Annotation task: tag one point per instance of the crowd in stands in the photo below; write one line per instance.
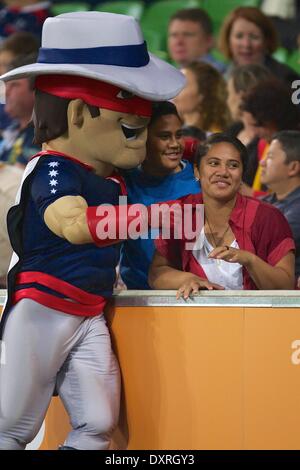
(236, 102)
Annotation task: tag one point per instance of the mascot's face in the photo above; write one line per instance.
(116, 138)
(107, 126)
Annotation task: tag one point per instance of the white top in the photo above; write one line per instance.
(227, 275)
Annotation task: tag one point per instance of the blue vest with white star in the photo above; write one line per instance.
(87, 266)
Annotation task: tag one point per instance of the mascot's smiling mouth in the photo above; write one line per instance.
(131, 132)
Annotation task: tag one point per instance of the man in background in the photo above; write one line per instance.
(16, 146)
(190, 38)
(281, 174)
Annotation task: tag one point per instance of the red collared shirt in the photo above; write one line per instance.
(258, 227)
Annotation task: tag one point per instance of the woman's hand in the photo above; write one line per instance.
(193, 284)
(232, 255)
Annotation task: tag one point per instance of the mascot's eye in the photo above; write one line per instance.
(125, 95)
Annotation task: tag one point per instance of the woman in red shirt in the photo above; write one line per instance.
(244, 243)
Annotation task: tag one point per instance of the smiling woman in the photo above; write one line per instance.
(244, 244)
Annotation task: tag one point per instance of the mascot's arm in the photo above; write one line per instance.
(70, 217)
(66, 217)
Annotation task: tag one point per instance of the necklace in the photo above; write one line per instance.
(213, 237)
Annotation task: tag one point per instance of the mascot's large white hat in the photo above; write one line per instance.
(106, 47)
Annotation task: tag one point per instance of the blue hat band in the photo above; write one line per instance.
(124, 56)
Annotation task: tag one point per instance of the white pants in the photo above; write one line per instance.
(45, 348)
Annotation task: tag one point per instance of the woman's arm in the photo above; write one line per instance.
(280, 276)
(163, 276)
(265, 276)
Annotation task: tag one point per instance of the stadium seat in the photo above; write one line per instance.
(154, 39)
(131, 8)
(293, 60)
(162, 55)
(281, 54)
(68, 7)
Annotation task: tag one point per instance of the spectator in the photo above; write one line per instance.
(163, 176)
(244, 244)
(23, 15)
(16, 145)
(281, 174)
(241, 80)
(249, 37)
(190, 38)
(202, 102)
(15, 46)
(10, 178)
(269, 109)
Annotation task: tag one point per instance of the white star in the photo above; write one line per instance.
(53, 182)
(53, 173)
(53, 164)
(53, 191)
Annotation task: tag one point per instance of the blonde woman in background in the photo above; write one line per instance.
(202, 103)
(248, 36)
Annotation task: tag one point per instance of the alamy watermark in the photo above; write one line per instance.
(170, 219)
(296, 93)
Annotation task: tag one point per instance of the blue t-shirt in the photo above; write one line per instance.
(85, 266)
(136, 255)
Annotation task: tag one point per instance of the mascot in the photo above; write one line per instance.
(94, 82)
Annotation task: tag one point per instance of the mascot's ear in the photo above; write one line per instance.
(76, 112)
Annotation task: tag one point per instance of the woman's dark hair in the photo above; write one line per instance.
(247, 76)
(219, 138)
(163, 108)
(212, 87)
(270, 102)
(195, 132)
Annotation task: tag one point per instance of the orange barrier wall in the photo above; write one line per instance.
(210, 378)
(197, 377)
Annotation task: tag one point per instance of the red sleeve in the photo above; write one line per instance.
(170, 249)
(272, 235)
(174, 248)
